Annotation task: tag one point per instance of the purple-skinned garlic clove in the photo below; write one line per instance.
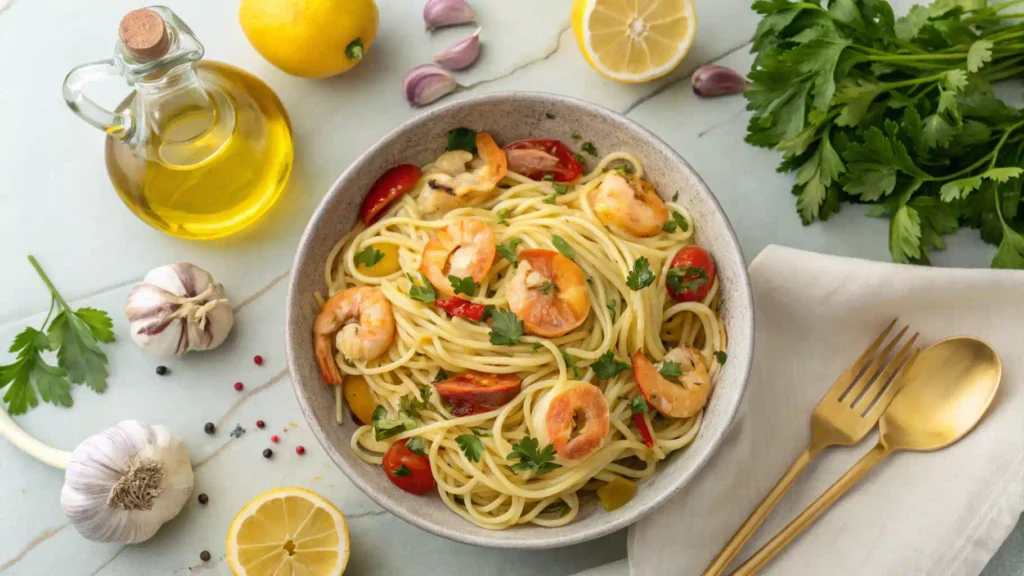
(427, 83)
(715, 80)
(460, 55)
(440, 13)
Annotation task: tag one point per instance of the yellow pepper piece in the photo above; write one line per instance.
(616, 493)
(359, 398)
(386, 265)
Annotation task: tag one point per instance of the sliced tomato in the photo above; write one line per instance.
(693, 257)
(407, 469)
(461, 308)
(478, 392)
(645, 431)
(386, 189)
(539, 158)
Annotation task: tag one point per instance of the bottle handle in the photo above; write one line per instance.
(119, 125)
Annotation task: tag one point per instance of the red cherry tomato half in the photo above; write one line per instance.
(693, 257)
(386, 189)
(538, 158)
(461, 308)
(407, 469)
(478, 392)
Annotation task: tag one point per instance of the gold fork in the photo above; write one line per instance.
(849, 410)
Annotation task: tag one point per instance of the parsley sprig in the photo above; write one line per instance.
(640, 276)
(369, 257)
(506, 329)
(471, 446)
(465, 285)
(75, 335)
(531, 458)
(607, 366)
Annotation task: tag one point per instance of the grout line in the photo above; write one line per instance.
(31, 545)
(256, 295)
(109, 560)
(554, 50)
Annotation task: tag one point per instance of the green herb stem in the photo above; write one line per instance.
(1007, 74)
(995, 7)
(46, 280)
(995, 152)
(885, 57)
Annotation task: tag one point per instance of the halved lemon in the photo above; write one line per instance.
(634, 40)
(288, 531)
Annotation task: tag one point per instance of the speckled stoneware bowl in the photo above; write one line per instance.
(508, 117)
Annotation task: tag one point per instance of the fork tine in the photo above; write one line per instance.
(847, 378)
(857, 391)
(894, 372)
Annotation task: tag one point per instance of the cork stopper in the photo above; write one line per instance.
(144, 35)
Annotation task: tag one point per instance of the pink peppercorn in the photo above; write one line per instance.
(260, 423)
(300, 450)
(258, 360)
(239, 386)
(274, 438)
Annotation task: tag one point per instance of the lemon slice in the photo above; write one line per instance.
(634, 40)
(288, 531)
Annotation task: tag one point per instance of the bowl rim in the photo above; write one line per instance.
(556, 540)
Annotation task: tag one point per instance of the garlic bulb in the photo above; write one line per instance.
(121, 485)
(177, 309)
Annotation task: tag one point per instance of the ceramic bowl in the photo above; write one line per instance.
(508, 117)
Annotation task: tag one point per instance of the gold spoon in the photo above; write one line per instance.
(945, 393)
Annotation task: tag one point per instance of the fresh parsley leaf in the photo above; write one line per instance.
(440, 376)
(465, 285)
(537, 346)
(402, 470)
(462, 139)
(506, 330)
(471, 446)
(638, 405)
(369, 257)
(384, 426)
(721, 356)
(531, 459)
(670, 369)
(416, 446)
(508, 251)
(686, 279)
(30, 372)
(611, 309)
(640, 276)
(547, 287)
(607, 366)
(676, 221)
(570, 364)
(579, 158)
(562, 246)
(488, 311)
(589, 148)
(423, 292)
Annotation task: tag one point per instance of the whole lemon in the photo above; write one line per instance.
(310, 38)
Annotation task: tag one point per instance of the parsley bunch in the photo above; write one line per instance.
(897, 113)
(75, 336)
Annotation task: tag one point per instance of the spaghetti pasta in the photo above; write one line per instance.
(428, 344)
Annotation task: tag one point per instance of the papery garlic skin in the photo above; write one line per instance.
(155, 475)
(176, 309)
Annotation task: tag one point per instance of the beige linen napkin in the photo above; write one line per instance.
(939, 513)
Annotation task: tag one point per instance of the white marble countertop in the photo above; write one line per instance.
(57, 203)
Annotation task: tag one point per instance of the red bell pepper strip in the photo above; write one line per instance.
(461, 308)
(645, 431)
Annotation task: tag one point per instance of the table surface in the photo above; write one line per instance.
(57, 203)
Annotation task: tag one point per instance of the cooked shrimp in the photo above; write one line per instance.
(463, 248)
(548, 293)
(457, 179)
(574, 418)
(631, 204)
(365, 340)
(681, 400)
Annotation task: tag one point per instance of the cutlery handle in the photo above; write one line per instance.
(718, 566)
(815, 510)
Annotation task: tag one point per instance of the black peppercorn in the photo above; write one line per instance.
(161, 370)
(268, 453)
(210, 428)
(204, 556)
(203, 498)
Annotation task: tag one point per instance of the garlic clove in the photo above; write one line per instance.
(440, 13)
(715, 80)
(460, 55)
(426, 83)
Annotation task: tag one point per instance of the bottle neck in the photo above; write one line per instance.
(175, 104)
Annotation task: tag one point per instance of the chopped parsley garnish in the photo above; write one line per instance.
(440, 376)
(384, 426)
(558, 508)
(638, 405)
(488, 311)
(579, 157)
(562, 246)
(551, 199)
(677, 221)
(670, 369)
(508, 251)
(506, 330)
(611, 309)
(548, 178)
(589, 148)
(675, 197)
(532, 459)
(411, 405)
(462, 139)
(422, 292)
(369, 257)
(549, 115)
(481, 432)
(537, 346)
(416, 446)
(401, 471)
(576, 136)
(547, 287)
(471, 446)
(465, 285)
(721, 356)
(570, 364)
(560, 188)
(688, 279)
(641, 276)
(503, 217)
(607, 366)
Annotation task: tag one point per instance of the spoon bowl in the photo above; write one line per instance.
(947, 391)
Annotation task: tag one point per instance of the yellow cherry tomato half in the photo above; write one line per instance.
(385, 266)
(616, 493)
(359, 398)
